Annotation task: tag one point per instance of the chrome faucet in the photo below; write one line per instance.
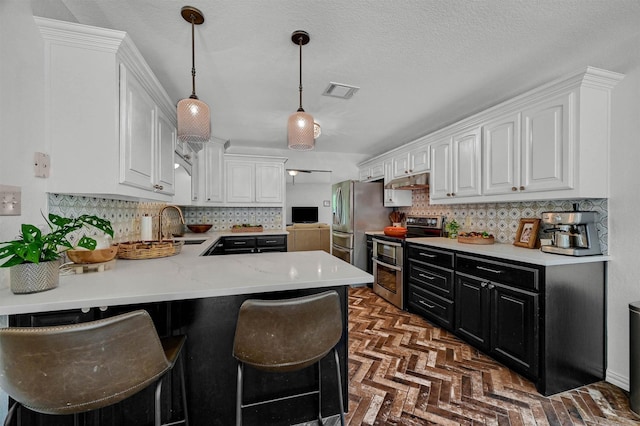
(160, 219)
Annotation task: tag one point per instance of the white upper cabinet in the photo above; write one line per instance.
(395, 197)
(455, 172)
(441, 178)
(467, 160)
(269, 188)
(106, 136)
(371, 172)
(546, 145)
(411, 162)
(241, 181)
(550, 143)
(419, 159)
(400, 165)
(528, 151)
(254, 181)
(501, 155)
(207, 180)
(147, 138)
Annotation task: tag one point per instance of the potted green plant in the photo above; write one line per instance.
(35, 256)
(452, 228)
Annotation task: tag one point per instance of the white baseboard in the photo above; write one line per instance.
(617, 379)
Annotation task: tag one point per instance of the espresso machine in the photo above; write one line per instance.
(573, 233)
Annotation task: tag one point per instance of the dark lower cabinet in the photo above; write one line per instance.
(544, 322)
(472, 312)
(500, 320)
(249, 244)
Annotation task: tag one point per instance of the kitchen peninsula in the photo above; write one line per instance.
(199, 296)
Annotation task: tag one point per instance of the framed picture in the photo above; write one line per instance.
(527, 235)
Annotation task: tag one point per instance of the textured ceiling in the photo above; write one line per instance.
(420, 64)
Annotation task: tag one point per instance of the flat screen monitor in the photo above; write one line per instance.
(304, 214)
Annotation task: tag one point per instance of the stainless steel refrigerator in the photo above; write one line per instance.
(357, 207)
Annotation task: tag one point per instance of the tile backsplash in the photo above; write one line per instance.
(125, 215)
(499, 219)
(502, 219)
(223, 218)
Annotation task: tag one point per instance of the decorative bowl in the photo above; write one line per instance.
(93, 256)
(395, 231)
(199, 228)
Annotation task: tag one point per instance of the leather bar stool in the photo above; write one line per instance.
(70, 369)
(288, 335)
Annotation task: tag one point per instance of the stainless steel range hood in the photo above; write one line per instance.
(420, 181)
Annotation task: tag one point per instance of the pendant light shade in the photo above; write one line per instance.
(300, 131)
(194, 119)
(300, 128)
(194, 123)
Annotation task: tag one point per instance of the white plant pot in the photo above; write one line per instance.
(34, 277)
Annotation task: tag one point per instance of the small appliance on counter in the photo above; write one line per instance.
(574, 233)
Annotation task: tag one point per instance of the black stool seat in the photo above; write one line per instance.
(288, 335)
(71, 369)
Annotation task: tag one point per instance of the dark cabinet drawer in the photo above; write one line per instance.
(526, 277)
(430, 255)
(271, 241)
(432, 278)
(239, 242)
(431, 306)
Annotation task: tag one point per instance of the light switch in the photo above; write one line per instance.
(10, 200)
(41, 164)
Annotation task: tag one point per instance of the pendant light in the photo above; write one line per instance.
(300, 128)
(194, 121)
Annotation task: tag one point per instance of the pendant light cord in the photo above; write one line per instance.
(193, 58)
(300, 86)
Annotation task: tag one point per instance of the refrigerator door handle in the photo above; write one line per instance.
(337, 216)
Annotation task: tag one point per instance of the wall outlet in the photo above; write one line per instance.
(10, 200)
(41, 164)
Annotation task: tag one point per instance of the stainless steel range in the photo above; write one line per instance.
(388, 257)
(424, 226)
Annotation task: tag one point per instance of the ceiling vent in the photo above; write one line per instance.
(339, 90)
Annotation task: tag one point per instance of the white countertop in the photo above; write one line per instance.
(189, 276)
(509, 252)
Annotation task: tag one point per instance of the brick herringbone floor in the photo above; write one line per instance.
(405, 371)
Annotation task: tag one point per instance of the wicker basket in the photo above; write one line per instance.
(149, 250)
(247, 229)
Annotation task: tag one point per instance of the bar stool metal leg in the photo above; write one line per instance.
(158, 395)
(338, 375)
(239, 395)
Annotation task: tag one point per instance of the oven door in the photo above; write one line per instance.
(387, 282)
(388, 252)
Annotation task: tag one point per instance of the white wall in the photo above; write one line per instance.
(623, 285)
(309, 195)
(21, 115)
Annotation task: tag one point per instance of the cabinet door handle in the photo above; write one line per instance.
(431, 256)
(422, 302)
(513, 188)
(239, 243)
(271, 241)
(158, 187)
(495, 271)
(522, 188)
(491, 286)
(483, 284)
(429, 277)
